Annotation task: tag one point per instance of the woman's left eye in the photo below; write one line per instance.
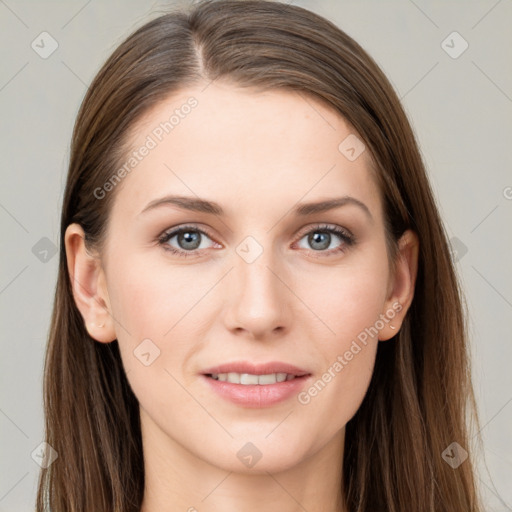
(190, 240)
(320, 238)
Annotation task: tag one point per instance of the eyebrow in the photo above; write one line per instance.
(196, 204)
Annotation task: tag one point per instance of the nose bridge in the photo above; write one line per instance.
(252, 269)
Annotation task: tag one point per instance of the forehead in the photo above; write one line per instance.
(244, 148)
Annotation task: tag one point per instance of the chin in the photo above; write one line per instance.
(259, 455)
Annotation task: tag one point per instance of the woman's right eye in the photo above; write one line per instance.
(189, 240)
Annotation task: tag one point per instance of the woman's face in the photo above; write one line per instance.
(261, 283)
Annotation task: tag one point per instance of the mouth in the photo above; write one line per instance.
(256, 386)
(247, 379)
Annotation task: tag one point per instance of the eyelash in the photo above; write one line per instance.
(347, 238)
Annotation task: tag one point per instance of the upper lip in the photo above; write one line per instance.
(256, 369)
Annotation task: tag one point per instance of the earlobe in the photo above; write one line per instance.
(88, 285)
(402, 284)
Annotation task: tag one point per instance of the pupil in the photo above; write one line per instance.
(317, 238)
(188, 238)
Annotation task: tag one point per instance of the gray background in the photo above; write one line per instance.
(460, 109)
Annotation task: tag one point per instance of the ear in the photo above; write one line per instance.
(89, 286)
(401, 285)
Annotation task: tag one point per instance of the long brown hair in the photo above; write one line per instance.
(420, 394)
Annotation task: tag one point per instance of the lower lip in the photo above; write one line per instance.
(256, 395)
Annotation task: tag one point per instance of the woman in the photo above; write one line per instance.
(256, 306)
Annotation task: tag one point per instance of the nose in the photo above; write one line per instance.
(258, 301)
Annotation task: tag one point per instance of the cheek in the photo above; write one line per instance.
(148, 299)
(347, 299)
(349, 304)
(152, 306)
(347, 351)
(334, 397)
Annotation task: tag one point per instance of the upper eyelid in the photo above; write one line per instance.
(172, 232)
(323, 226)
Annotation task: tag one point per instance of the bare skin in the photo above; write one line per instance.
(258, 156)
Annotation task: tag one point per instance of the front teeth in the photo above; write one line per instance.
(247, 378)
